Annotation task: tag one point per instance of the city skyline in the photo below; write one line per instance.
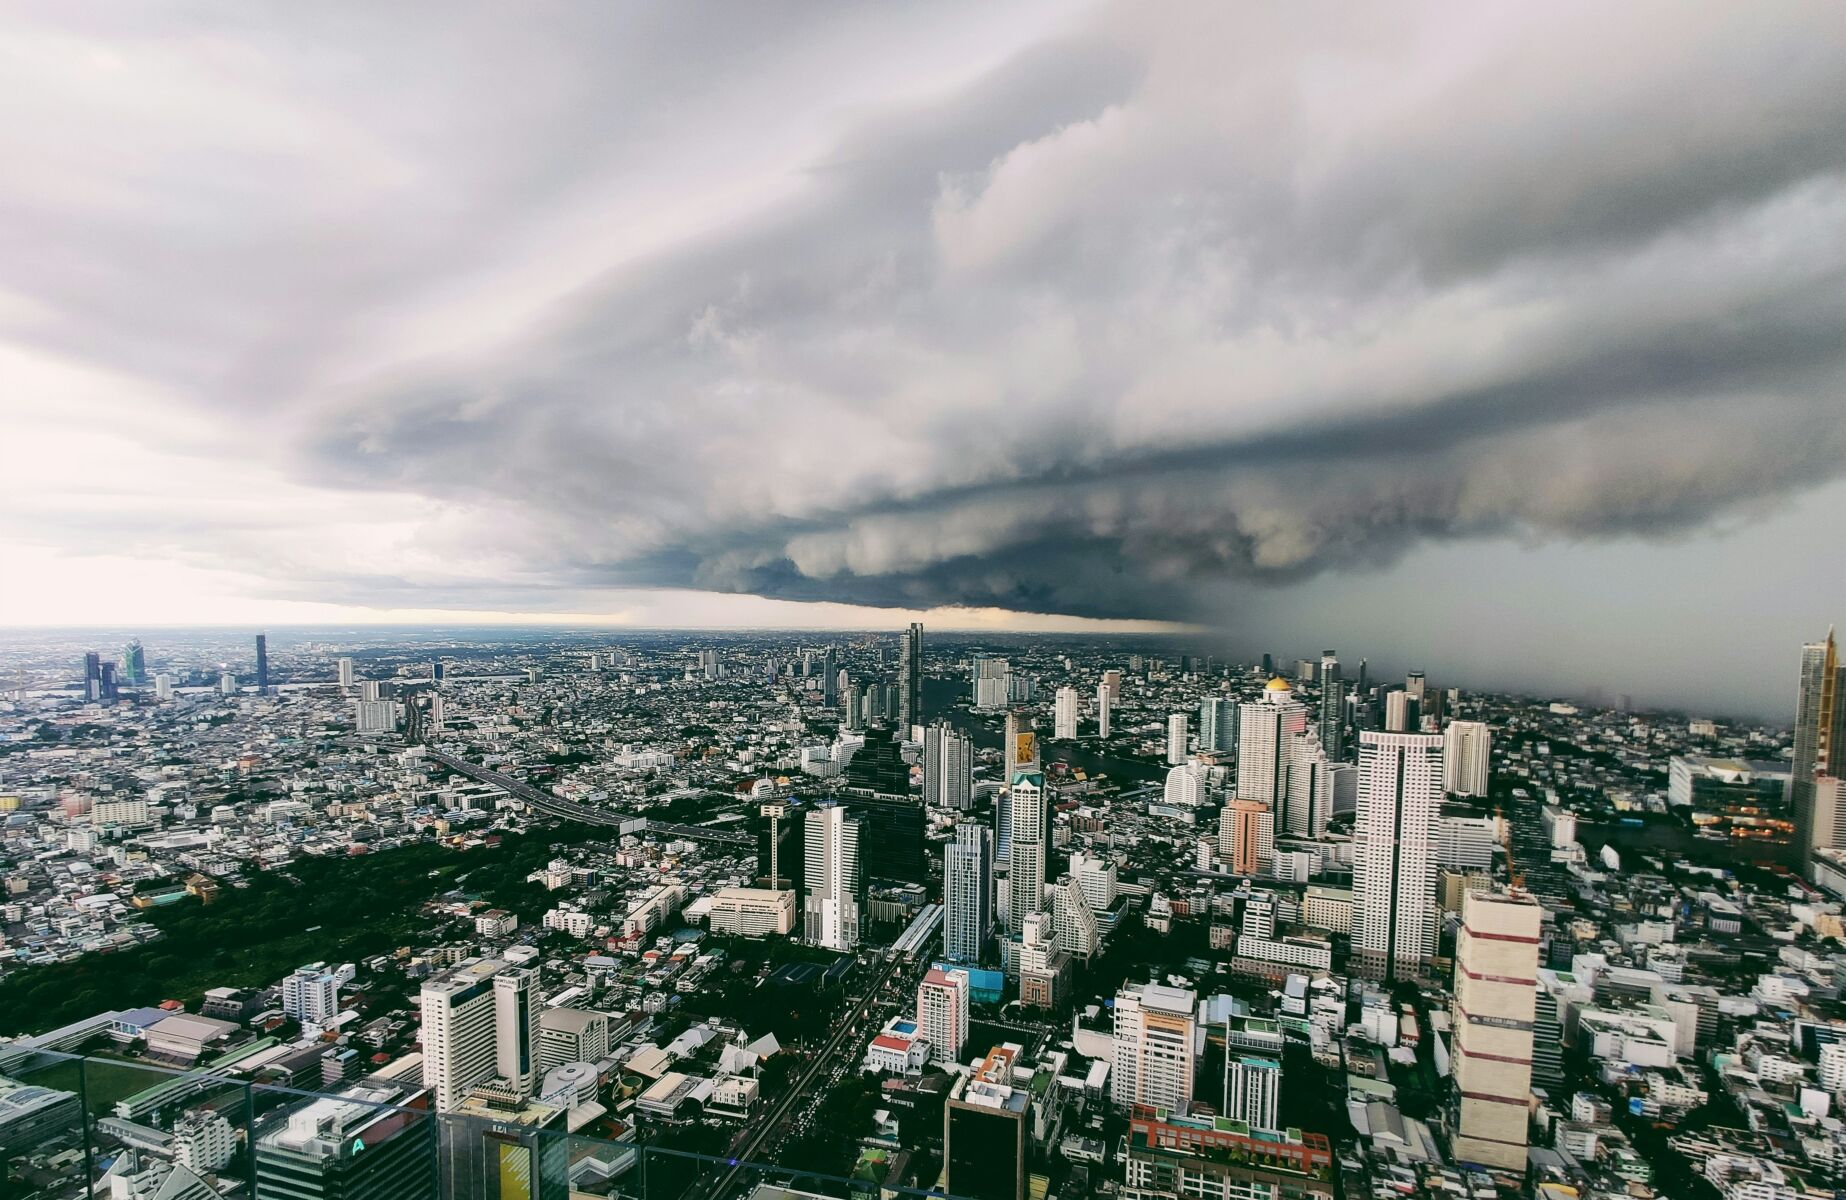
(1543, 398)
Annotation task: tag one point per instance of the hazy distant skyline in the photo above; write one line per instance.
(1503, 340)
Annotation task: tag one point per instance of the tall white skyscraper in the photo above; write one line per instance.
(1466, 747)
(1263, 734)
(1155, 1034)
(1064, 721)
(1025, 874)
(1496, 993)
(831, 848)
(346, 672)
(948, 769)
(1820, 738)
(968, 894)
(942, 1013)
(1105, 700)
(1252, 1089)
(1311, 780)
(1074, 919)
(1397, 712)
(480, 1021)
(1218, 724)
(1176, 737)
(1394, 852)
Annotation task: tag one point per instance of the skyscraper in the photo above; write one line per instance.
(968, 894)
(942, 1013)
(829, 678)
(1026, 851)
(1399, 713)
(834, 881)
(948, 768)
(1394, 852)
(92, 675)
(1019, 744)
(1155, 1040)
(1104, 700)
(134, 663)
(1314, 781)
(1247, 836)
(1496, 992)
(1078, 934)
(780, 861)
(262, 664)
(346, 672)
(1218, 724)
(1820, 736)
(1176, 738)
(1264, 730)
(1252, 1089)
(1466, 747)
(1332, 707)
(910, 681)
(1064, 724)
(480, 1021)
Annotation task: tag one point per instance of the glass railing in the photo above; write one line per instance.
(79, 1127)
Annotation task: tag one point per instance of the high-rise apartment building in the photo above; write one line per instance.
(942, 1013)
(311, 994)
(480, 1023)
(1105, 703)
(1218, 724)
(1496, 991)
(1313, 781)
(262, 664)
(1252, 1089)
(1466, 749)
(1064, 720)
(1097, 878)
(835, 883)
(1820, 735)
(1073, 919)
(1394, 852)
(346, 672)
(1025, 873)
(1155, 1056)
(1177, 738)
(1263, 735)
(948, 768)
(1247, 836)
(1399, 713)
(968, 894)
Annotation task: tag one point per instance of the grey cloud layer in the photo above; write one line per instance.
(1176, 297)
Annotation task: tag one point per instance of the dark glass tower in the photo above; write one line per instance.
(262, 664)
(910, 680)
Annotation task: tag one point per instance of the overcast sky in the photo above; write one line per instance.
(1503, 340)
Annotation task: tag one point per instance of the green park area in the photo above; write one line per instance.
(336, 908)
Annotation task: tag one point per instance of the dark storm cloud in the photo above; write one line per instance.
(1176, 301)
(1166, 300)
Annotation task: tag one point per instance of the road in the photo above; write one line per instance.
(846, 1036)
(570, 810)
